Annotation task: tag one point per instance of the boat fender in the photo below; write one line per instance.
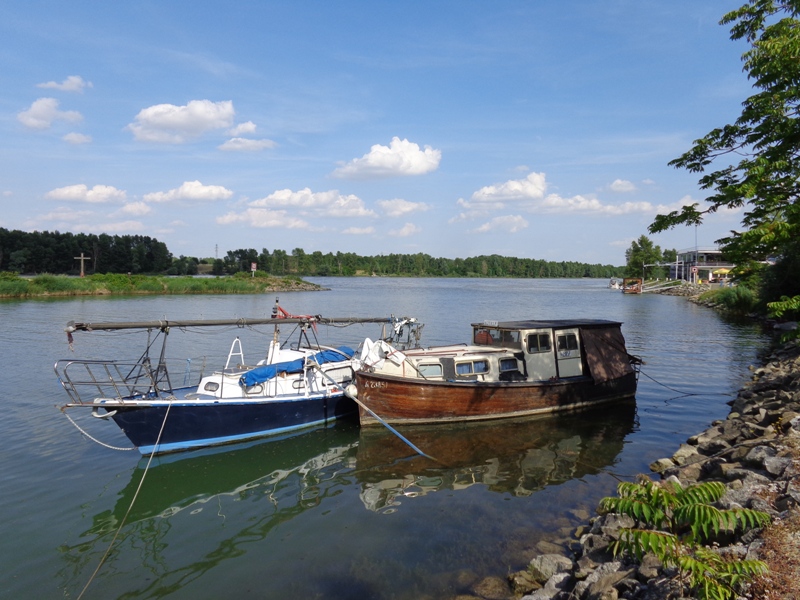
(107, 415)
(351, 391)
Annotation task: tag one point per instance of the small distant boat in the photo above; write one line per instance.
(615, 284)
(510, 369)
(167, 406)
(632, 285)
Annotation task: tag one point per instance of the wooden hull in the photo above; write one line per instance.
(403, 400)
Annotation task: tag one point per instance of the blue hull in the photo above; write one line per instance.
(191, 425)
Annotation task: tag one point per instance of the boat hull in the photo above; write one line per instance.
(403, 400)
(194, 425)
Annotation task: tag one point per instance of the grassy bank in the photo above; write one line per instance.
(13, 286)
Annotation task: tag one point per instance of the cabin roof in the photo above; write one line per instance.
(551, 324)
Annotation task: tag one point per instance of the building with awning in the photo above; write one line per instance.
(700, 264)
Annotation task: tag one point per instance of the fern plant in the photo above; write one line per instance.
(674, 523)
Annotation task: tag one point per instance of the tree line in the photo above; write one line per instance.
(57, 253)
(298, 262)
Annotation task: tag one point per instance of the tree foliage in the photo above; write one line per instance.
(643, 259)
(673, 523)
(757, 158)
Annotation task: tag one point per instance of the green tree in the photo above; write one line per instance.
(641, 257)
(759, 154)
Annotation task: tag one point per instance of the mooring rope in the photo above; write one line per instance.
(133, 500)
(84, 432)
(684, 393)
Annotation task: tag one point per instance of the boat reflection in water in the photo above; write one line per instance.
(516, 456)
(288, 471)
(220, 502)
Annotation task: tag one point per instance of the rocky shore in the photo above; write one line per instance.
(755, 452)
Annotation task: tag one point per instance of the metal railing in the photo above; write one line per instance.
(86, 380)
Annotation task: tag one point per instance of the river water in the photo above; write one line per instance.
(336, 513)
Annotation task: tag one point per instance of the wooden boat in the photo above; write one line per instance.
(510, 369)
(632, 285)
(167, 406)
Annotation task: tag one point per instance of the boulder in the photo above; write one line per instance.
(545, 566)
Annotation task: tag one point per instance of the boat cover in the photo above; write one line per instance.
(267, 372)
(605, 353)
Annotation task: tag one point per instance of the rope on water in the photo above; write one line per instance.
(133, 501)
(79, 428)
(682, 392)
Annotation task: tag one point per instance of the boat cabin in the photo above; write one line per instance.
(522, 351)
(544, 350)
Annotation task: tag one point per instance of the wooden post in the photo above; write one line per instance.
(82, 258)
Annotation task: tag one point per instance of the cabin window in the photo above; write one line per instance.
(431, 370)
(567, 341)
(299, 384)
(538, 342)
(468, 368)
(508, 364)
(211, 386)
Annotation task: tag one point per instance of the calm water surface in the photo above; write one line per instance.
(335, 513)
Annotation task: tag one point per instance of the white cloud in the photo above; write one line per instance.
(263, 218)
(170, 124)
(239, 144)
(77, 138)
(137, 209)
(359, 231)
(73, 83)
(243, 129)
(532, 187)
(405, 231)
(399, 207)
(401, 157)
(64, 214)
(81, 193)
(528, 194)
(43, 112)
(324, 204)
(622, 186)
(191, 190)
(506, 223)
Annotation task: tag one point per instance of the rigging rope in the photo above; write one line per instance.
(133, 501)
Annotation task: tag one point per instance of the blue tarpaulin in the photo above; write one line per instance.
(267, 372)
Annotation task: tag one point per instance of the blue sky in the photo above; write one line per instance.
(455, 128)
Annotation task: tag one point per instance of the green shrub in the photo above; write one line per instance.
(739, 299)
(53, 284)
(13, 288)
(674, 522)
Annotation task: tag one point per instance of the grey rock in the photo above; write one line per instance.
(545, 566)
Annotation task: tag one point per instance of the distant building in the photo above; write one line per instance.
(700, 264)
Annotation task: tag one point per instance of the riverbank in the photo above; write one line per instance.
(754, 452)
(54, 286)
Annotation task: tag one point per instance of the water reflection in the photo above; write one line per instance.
(515, 457)
(284, 478)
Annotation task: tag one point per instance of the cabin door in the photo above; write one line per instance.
(539, 359)
(568, 353)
